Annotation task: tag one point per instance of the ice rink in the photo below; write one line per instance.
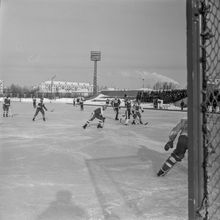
(57, 170)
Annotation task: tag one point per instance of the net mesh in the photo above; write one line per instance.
(210, 66)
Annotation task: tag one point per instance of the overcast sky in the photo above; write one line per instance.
(138, 39)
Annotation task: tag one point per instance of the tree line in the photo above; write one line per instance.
(20, 91)
(15, 90)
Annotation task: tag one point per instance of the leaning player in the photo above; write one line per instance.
(40, 108)
(137, 109)
(179, 152)
(97, 113)
(6, 106)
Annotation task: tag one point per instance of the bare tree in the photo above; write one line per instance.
(164, 86)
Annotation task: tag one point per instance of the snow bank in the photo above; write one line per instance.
(97, 101)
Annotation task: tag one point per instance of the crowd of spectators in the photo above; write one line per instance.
(213, 101)
(168, 96)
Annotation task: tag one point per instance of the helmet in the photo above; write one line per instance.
(104, 107)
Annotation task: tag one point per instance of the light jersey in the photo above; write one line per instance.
(181, 127)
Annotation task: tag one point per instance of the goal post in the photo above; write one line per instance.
(195, 155)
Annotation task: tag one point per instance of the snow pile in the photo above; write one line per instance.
(97, 101)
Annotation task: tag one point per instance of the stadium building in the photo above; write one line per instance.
(61, 88)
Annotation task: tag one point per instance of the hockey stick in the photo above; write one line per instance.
(10, 113)
(40, 118)
(109, 117)
(136, 123)
(94, 125)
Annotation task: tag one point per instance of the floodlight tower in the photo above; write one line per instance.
(95, 56)
(51, 86)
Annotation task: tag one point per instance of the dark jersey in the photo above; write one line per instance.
(7, 101)
(137, 108)
(98, 111)
(116, 103)
(128, 104)
(41, 105)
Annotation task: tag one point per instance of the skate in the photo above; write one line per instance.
(161, 173)
(126, 121)
(84, 126)
(33, 119)
(99, 126)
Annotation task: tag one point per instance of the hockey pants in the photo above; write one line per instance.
(137, 115)
(176, 156)
(99, 117)
(42, 112)
(5, 110)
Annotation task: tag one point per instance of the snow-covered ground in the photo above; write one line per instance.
(57, 170)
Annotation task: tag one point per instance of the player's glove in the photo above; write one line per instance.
(168, 145)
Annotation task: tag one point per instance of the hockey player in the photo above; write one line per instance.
(81, 103)
(127, 114)
(127, 111)
(116, 106)
(40, 108)
(6, 106)
(34, 102)
(107, 101)
(74, 102)
(179, 152)
(97, 113)
(137, 109)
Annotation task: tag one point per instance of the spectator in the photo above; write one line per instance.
(182, 104)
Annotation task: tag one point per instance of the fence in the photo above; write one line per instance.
(203, 63)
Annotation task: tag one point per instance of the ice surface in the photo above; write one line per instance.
(57, 170)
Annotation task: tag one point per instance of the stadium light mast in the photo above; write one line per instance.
(143, 83)
(52, 78)
(95, 56)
